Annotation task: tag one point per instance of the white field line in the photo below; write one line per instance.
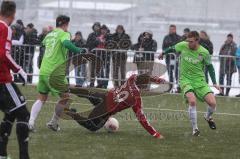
(171, 110)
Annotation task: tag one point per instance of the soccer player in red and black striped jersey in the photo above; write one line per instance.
(12, 102)
(115, 100)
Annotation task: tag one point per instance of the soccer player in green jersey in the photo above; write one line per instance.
(57, 44)
(193, 59)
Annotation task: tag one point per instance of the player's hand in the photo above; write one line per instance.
(22, 75)
(159, 80)
(218, 88)
(158, 136)
(161, 137)
(160, 57)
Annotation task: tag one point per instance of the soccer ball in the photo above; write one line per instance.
(112, 125)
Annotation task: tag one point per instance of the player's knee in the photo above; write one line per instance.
(211, 100)
(192, 101)
(23, 114)
(65, 99)
(212, 103)
(5, 129)
(6, 126)
(42, 97)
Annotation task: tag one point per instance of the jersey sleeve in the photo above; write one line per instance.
(180, 46)
(44, 42)
(6, 55)
(65, 36)
(137, 108)
(207, 59)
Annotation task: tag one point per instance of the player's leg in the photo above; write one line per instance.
(205, 94)
(107, 71)
(100, 114)
(43, 90)
(221, 82)
(22, 130)
(89, 119)
(6, 103)
(229, 82)
(5, 131)
(92, 124)
(92, 119)
(123, 68)
(189, 94)
(212, 104)
(62, 104)
(36, 108)
(15, 106)
(92, 73)
(115, 69)
(192, 110)
(93, 96)
(96, 123)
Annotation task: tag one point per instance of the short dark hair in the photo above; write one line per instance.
(193, 34)
(78, 33)
(61, 20)
(8, 8)
(172, 26)
(20, 22)
(230, 35)
(186, 30)
(30, 25)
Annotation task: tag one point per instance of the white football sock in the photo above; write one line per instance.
(210, 111)
(36, 108)
(193, 116)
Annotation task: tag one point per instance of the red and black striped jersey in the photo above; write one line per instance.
(6, 61)
(128, 96)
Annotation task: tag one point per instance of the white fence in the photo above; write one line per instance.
(118, 65)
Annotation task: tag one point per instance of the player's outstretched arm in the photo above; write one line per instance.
(71, 47)
(143, 120)
(213, 76)
(167, 51)
(173, 49)
(156, 79)
(147, 79)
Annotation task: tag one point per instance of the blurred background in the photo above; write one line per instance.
(138, 29)
(217, 17)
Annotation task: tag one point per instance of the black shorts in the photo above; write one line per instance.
(98, 116)
(94, 124)
(11, 97)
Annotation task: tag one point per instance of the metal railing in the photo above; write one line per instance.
(118, 65)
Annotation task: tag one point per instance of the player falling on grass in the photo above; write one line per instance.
(113, 101)
(194, 58)
(12, 102)
(57, 44)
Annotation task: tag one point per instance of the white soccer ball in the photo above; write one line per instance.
(112, 125)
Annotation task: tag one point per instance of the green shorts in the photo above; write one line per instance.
(200, 92)
(44, 87)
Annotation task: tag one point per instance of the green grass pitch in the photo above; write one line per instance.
(132, 141)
